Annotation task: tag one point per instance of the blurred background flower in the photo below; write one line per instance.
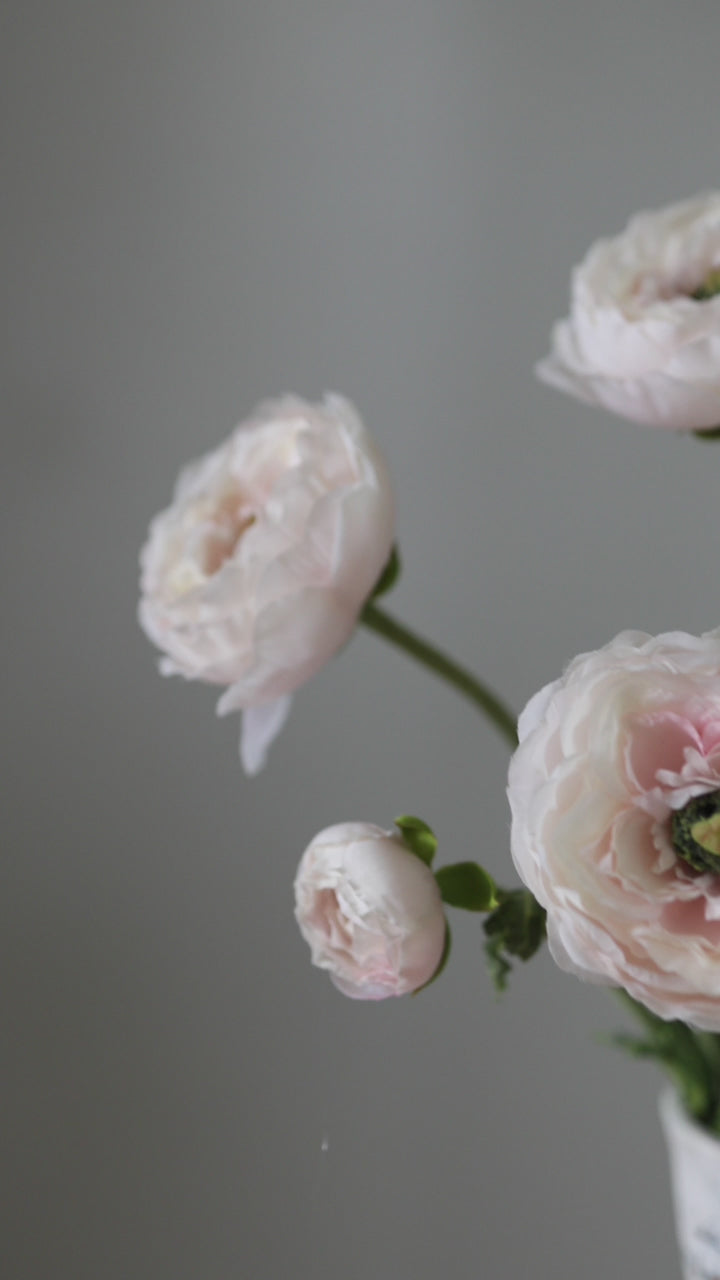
(643, 335)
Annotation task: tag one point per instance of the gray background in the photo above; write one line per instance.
(203, 205)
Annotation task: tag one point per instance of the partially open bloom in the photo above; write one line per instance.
(370, 910)
(643, 335)
(603, 790)
(255, 576)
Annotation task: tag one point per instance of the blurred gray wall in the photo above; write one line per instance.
(203, 205)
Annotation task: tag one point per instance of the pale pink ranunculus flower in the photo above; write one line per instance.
(370, 910)
(255, 575)
(636, 341)
(627, 735)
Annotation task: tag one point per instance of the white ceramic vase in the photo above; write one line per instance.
(695, 1174)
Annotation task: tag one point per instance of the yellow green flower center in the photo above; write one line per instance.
(709, 287)
(695, 832)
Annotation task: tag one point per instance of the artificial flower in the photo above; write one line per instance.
(643, 335)
(618, 763)
(370, 910)
(255, 575)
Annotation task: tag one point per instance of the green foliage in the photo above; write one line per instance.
(515, 928)
(418, 837)
(389, 575)
(690, 1058)
(499, 967)
(466, 885)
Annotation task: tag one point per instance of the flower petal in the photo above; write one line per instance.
(260, 727)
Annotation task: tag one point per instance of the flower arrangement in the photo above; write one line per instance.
(282, 541)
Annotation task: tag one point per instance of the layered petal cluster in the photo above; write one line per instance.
(370, 910)
(629, 734)
(643, 335)
(254, 576)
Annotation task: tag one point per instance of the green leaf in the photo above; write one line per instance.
(466, 885)
(498, 966)
(690, 1059)
(519, 921)
(418, 837)
(389, 575)
(633, 1045)
(443, 961)
(515, 928)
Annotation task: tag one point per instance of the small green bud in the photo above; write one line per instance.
(695, 832)
(418, 837)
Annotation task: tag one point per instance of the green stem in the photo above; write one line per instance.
(446, 668)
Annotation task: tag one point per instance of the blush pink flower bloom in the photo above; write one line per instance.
(643, 335)
(370, 910)
(627, 736)
(256, 574)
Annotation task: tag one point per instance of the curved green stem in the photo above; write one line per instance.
(422, 651)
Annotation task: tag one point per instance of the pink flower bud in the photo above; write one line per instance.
(370, 910)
